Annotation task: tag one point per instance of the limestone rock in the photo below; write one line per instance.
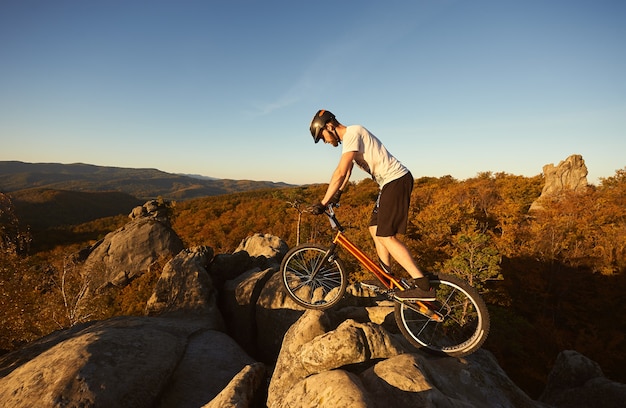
(357, 364)
(264, 245)
(312, 346)
(570, 174)
(153, 209)
(256, 251)
(121, 362)
(243, 390)
(210, 362)
(275, 313)
(576, 381)
(329, 389)
(238, 306)
(350, 343)
(127, 362)
(130, 251)
(185, 287)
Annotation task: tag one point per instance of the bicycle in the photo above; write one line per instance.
(455, 324)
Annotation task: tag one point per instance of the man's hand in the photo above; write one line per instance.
(317, 209)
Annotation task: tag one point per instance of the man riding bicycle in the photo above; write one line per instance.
(390, 214)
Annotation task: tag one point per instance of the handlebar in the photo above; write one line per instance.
(330, 213)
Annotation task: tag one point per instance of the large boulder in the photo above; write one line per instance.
(130, 251)
(210, 363)
(569, 175)
(262, 251)
(275, 312)
(313, 346)
(329, 389)
(121, 362)
(363, 365)
(267, 246)
(185, 287)
(576, 381)
(238, 306)
(240, 391)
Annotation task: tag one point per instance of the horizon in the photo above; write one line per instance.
(450, 87)
(201, 176)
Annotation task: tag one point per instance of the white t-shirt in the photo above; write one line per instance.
(372, 156)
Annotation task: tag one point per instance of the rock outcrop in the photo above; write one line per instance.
(220, 332)
(570, 174)
(130, 251)
(576, 381)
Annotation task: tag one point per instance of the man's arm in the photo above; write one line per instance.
(341, 176)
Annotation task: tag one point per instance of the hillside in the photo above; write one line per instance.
(141, 183)
(42, 208)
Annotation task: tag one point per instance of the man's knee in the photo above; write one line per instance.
(390, 241)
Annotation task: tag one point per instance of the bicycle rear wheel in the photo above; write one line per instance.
(465, 324)
(310, 279)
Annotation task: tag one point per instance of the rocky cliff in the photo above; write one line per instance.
(220, 332)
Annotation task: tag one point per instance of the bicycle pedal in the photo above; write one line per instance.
(372, 287)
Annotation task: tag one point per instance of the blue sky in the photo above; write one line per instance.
(227, 89)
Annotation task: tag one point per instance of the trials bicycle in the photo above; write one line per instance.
(455, 324)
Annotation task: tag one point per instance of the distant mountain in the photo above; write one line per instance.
(141, 183)
(197, 176)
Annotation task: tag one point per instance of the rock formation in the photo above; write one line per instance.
(570, 174)
(129, 252)
(220, 332)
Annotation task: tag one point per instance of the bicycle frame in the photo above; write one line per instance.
(390, 281)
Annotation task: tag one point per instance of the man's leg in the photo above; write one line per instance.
(392, 246)
(383, 254)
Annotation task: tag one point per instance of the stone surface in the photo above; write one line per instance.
(569, 175)
(240, 392)
(576, 381)
(380, 371)
(130, 251)
(121, 362)
(185, 287)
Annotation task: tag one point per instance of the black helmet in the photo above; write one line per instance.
(321, 118)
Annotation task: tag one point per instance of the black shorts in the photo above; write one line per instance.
(391, 212)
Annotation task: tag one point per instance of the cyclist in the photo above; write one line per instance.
(390, 214)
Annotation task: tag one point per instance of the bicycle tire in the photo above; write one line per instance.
(320, 292)
(466, 322)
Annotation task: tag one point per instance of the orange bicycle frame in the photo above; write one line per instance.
(388, 280)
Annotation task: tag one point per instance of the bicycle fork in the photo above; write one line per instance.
(328, 258)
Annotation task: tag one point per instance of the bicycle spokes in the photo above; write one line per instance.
(311, 279)
(464, 324)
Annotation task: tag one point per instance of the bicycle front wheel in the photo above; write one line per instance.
(465, 324)
(311, 279)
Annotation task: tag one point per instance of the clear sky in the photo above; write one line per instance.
(228, 88)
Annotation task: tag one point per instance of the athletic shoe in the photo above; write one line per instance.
(415, 294)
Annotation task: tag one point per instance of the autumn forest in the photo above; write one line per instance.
(553, 278)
